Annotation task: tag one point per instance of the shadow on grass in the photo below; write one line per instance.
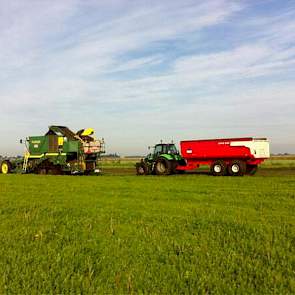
(281, 171)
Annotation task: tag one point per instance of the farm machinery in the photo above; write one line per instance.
(230, 156)
(163, 160)
(59, 151)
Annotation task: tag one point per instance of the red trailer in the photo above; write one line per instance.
(233, 156)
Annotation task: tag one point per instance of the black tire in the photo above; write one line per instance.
(5, 167)
(41, 171)
(41, 168)
(251, 169)
(237, 168)
(163, 166)
(141, 169)
(182, 162)
(46, 167)
(180, 171)
(55, 170)
(218, 168)
(174, 165)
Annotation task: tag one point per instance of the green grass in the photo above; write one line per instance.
(119, 163)
(277, 163)
(129, 234)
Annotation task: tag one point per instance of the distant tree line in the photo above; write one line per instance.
(115, 155)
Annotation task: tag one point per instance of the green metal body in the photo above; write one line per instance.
(41, 144)
(38, 145)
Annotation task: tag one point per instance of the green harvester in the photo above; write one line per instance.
(59, 151)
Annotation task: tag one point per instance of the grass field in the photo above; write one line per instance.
(120, 233)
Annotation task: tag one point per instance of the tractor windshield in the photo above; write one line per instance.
(158, 149)
(165, 149)
(171, 149)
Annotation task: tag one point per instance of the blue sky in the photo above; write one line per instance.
(142, 71)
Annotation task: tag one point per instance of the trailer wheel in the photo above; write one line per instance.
(163, 167)
(6, 167)
(218, 168)
(251, 169)
(237, 168)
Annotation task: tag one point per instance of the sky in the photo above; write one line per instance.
(143, 71)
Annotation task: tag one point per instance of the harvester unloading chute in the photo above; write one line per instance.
(86, 132)
(91, 145)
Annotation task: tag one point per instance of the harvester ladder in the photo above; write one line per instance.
(25, 164)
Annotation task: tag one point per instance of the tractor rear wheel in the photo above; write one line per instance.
(251, 169)
(174, 165)
(6, 167)
(218, 168)
(180, 171)
(163, 167)
(237, 168)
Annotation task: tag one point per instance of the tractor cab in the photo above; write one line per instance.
(162, 149)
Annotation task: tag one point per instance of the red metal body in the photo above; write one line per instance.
(204, 152)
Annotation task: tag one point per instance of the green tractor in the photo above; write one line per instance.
(163, 160)
(59, 151)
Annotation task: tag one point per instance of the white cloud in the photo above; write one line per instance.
(114, 63)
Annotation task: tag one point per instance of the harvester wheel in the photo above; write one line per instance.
(163, 167)
(41, 171)
(141, 169)
(54, 170)
(251, 169)
(6, 167)
(46, 167)
(218, 168)
(237, 168)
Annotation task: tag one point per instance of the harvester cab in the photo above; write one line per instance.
(162, 161)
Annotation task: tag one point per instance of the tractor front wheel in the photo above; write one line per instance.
(141, 169)
(6, 167)
(163, 167)
(251, 169)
